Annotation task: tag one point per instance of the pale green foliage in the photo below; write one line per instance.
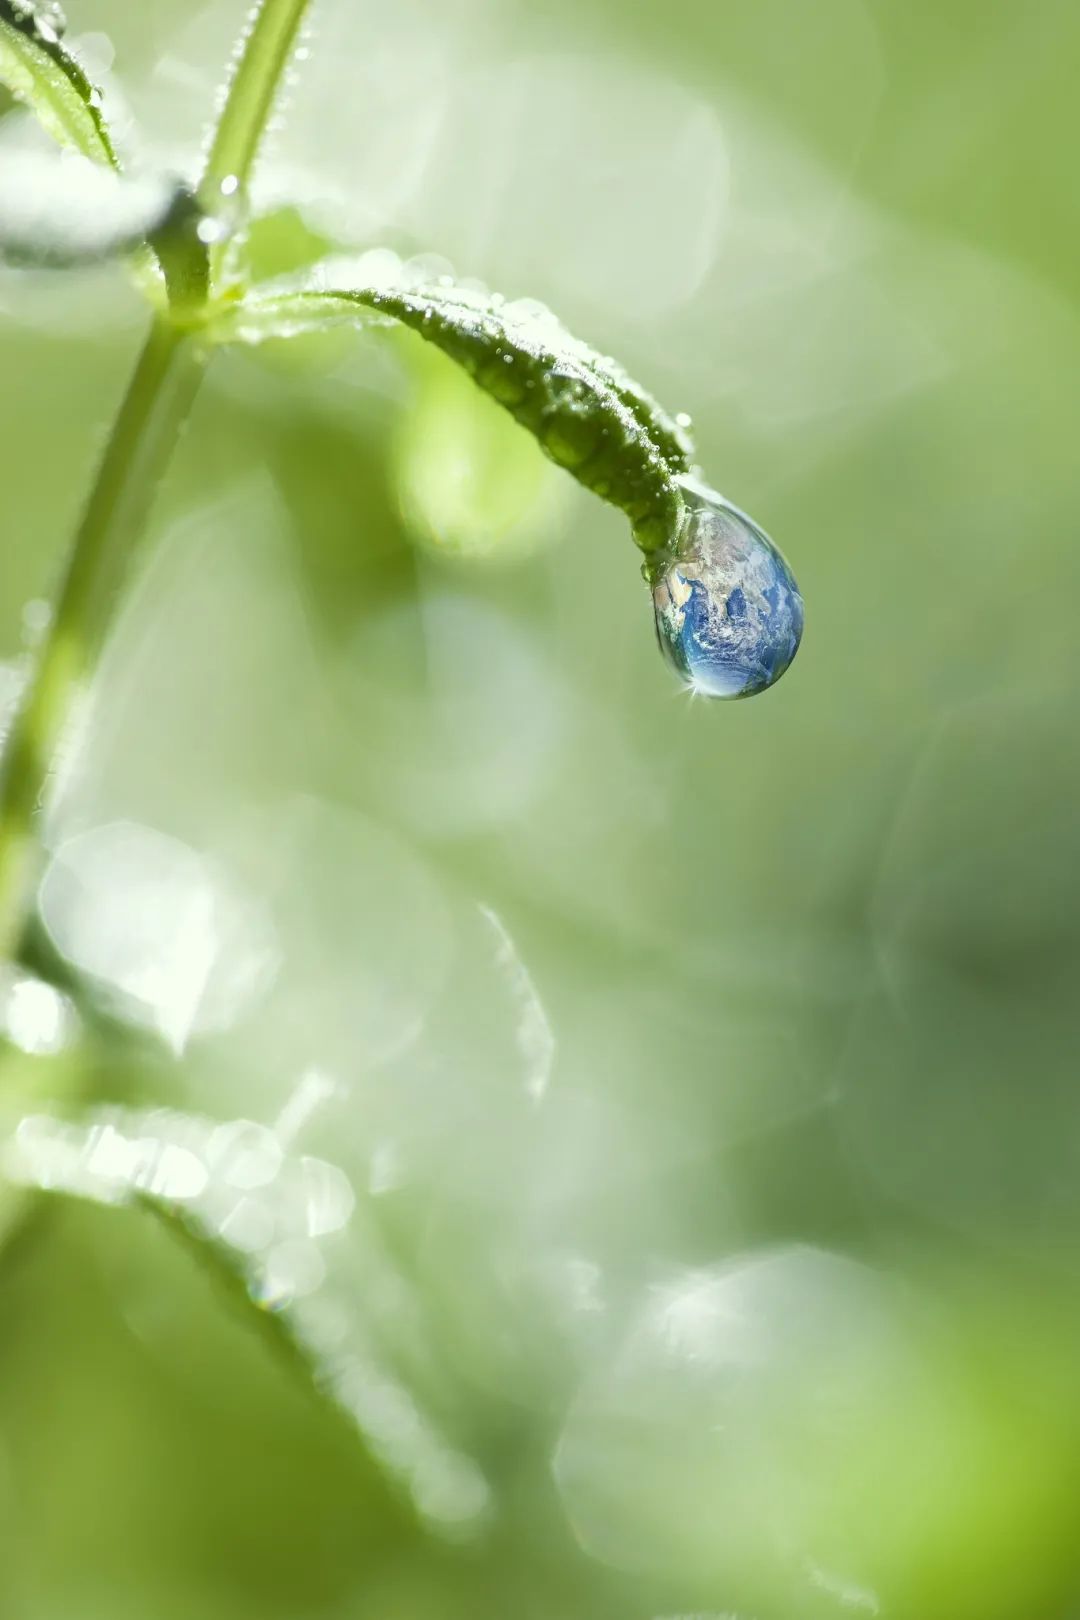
(65, 210)
(469, 481)
(39, 70)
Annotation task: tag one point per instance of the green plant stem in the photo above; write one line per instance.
(252, 94)
(155, 407)
(157, 402)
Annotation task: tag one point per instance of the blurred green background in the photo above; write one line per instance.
(692, 1090)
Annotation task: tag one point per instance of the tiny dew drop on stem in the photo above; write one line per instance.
(46, 19)
(729, 616)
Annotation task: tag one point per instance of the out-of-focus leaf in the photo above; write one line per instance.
(281, 243)
(586, 414)
(469, 481)
(39, 70)
(272, 1227)
(65, 210)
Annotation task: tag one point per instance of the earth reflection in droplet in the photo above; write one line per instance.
(729, 616)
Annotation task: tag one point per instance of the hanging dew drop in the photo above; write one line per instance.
(46, 19)
(729, 617)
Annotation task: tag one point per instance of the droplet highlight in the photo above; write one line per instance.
(729, 616)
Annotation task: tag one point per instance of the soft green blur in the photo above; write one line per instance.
(706, 1076)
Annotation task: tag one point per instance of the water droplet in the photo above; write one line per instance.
(245, 1154)
(729, 617)
(33, 1016)
(291, 1270)
(230, 185)
(46, 32)
(684, 420)
(47, 20)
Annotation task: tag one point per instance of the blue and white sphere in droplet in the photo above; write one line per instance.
(729, 616)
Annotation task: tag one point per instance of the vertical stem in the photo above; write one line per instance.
(252, 92)
(159, 396)
(155, 407)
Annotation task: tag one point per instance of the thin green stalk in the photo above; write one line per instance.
(252, 93)
(155, 407)
(157, 401)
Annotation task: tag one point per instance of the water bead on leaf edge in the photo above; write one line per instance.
(729, 616)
